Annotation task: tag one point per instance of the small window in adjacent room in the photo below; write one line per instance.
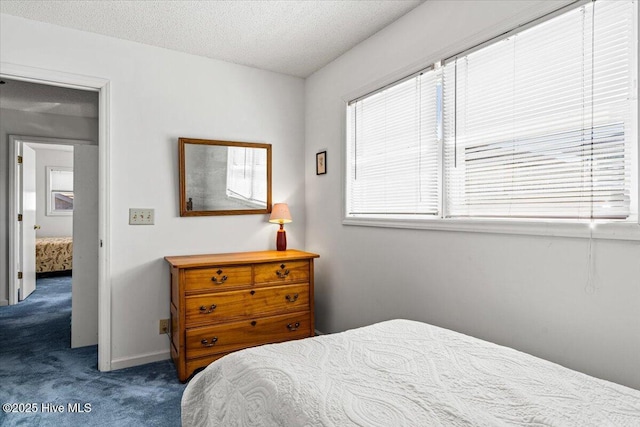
(59, 190)
(539, 124)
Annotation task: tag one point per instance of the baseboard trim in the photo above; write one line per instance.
(140, 359)
(4, 302)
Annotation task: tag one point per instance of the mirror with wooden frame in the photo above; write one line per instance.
(224, 178)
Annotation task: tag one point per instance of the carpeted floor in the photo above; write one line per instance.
(38, 368)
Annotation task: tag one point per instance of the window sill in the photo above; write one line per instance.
(597, 230)
(59, 213)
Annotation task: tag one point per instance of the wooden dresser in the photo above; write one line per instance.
(225, 302)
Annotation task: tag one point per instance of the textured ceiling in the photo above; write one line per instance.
(39, 98)
(291, 37)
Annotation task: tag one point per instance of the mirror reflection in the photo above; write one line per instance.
(224, 178)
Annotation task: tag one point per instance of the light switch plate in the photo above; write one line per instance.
(139, 216)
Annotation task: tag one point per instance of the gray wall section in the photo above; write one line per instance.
(14, 122)
(84, 304)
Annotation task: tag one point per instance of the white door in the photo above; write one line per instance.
(84, 283)
(28, 223)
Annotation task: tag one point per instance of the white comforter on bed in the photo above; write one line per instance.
(400, 373)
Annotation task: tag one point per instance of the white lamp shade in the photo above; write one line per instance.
(280, 214)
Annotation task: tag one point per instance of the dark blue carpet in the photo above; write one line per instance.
(38, 368)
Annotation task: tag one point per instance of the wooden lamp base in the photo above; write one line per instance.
(281, 239)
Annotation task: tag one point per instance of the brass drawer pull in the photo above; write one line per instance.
(293, 326)
(282, 274)
(205, 310)
(292, 299)
(206, 343)
(219, 282)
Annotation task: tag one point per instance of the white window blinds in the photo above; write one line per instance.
(393, 150)
(60, 179)
(540, 125)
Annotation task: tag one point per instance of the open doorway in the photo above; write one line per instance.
(59, 235)
(101, 86)
(63, 169)
(44, 197)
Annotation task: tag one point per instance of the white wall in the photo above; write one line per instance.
(50, 226)
(527, 292)
(157, 96)
(14, 122)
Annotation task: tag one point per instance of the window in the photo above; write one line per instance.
(393, 150)
(541, 124)
(59, 191)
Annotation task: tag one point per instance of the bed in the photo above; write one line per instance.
(400, 373)
(54, 254)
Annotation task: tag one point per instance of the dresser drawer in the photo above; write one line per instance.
(217, 278)
(282, 272)
(235, 305)
(209, 340)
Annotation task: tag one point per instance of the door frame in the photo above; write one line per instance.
(15, 188)
(102, 86)
(28, 274)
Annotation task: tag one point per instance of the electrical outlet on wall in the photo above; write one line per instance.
(139, 216)
(164, 326)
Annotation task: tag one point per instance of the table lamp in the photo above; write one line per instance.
(280, 215)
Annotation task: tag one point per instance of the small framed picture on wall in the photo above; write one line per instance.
(321, 163)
